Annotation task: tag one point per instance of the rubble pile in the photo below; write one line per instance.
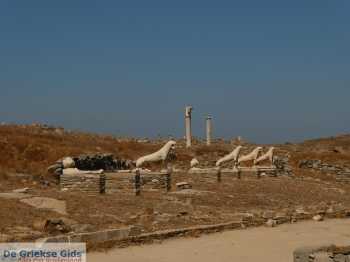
(322, 253)
(282, 165)
(342, 173)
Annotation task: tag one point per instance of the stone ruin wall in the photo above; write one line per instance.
(110, 183)
(92, 184)
(341, 173)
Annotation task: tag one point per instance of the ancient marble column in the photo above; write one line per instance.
(188, 116)
(208, 130)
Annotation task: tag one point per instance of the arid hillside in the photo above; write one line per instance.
(27, 151)
(31, 149)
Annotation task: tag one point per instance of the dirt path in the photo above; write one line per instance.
(256, 244)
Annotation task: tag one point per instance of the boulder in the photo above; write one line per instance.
(54, 225)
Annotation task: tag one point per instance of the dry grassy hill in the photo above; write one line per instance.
(31, 149)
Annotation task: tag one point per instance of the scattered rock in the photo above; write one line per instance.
(341, 258)
(271, 223)
(21, 190)
(58, 206)
(164, 217)
(82, 228)
(318, 218)
(194, 162)
(57, 226)
(281, 218)
(54, 225)
(341, 172)
(192, 192)
(183, 185)
(136, 230)
(283, 166)
(268, 214)
(300, 211)
(183, 213)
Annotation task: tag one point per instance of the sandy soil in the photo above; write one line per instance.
(256, 244)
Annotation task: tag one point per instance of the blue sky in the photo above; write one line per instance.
(269, 71)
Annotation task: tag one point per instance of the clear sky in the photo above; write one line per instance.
(269, 71)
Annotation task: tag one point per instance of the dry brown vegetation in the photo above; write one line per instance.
(31, 149)
(216, 203)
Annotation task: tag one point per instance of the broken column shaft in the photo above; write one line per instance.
(188, 116)
(208, 130)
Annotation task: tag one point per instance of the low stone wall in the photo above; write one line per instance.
(110, 183)
(88, 183)
(329, 253)
(120, 182)
(126, 182)
(154, 181)
(134, 235)
(211, 175)
(342, 173)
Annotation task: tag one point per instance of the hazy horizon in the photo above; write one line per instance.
(269, 71)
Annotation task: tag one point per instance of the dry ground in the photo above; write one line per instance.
(30, 149)
(218, 202)
(255, 244)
